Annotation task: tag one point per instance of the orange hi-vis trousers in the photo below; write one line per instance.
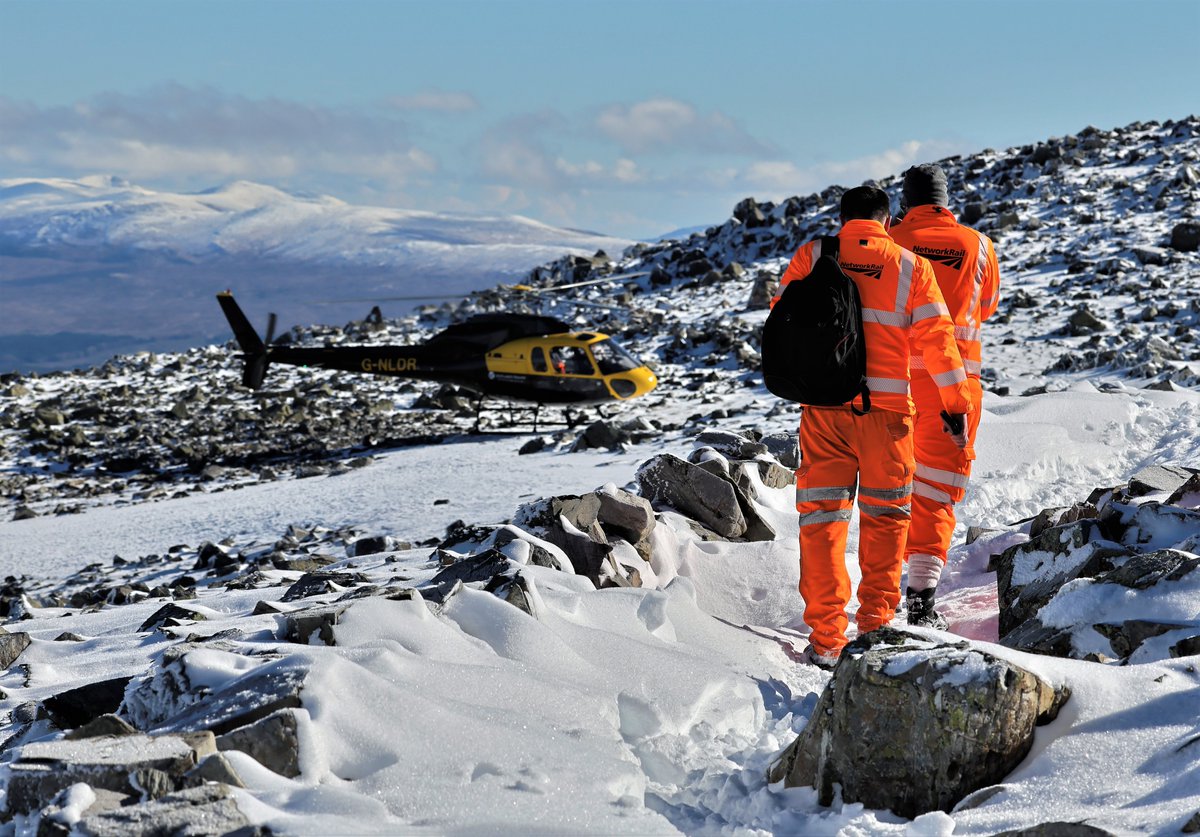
(943, 470)
(841, 452)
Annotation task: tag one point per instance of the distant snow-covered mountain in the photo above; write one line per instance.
(99, 265)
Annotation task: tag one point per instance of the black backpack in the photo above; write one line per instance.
(813, 347)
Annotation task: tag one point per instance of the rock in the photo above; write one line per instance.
(601, 435)
(107, 724)
(271, 741)
(245, 700)
(1049, 518)
(784, 448)
(44, 768)
(372, 546)
(716, 502)
(1158, 478)
(308, 625)
(627, 516)
(1082, 321)
(204, 810)
(1189, 647)
(1185, 236)
(214, 768)
(535, 445)
(913, 726)
(171, 615)
(319, 583)
(12, 646)
(766, 285)
(571, 523)
(694, 492)
(1152, 255)
(83, 704)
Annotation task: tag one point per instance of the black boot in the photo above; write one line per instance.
(920, 609)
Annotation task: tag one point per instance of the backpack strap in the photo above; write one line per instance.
(829, 246)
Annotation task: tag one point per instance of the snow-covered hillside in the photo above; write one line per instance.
(156, 482)
(103, 258)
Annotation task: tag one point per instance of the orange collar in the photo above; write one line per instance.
(863, 228)
(929, 215)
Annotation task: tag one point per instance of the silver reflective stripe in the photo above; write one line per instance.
(812, 518)
(974, 367)
(886, 493)
(980, 264)
(816, 251)
(923, 490)
(884, 511)
(887, 385)
(834, 492)
(908, 263)
(930, 311)
(887, 318)
(954, 376)
(944, 477)
(968, 333)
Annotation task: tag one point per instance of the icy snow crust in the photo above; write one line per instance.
(653, 710)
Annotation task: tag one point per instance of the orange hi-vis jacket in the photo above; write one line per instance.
(900, 297)
(964, 262)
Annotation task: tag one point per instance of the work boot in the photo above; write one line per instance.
(811, 656)
(919, 604)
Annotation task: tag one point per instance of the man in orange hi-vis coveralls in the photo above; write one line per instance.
(873, 453)
(964, 262)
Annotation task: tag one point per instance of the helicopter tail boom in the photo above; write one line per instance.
(254, 350)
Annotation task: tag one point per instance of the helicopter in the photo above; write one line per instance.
(521, 357)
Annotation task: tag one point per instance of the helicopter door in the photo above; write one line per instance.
(538, 359)
(571, 360)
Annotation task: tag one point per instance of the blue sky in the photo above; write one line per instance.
(630, 118)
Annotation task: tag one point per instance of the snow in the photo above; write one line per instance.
(627, 711)
(652, 710)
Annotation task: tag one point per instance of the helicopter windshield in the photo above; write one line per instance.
(611, 358)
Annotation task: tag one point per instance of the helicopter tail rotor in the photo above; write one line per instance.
(254, 350)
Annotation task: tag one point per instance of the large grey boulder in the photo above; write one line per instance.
(11, 647)
(706, 493)
(913, 726)
(572, 523)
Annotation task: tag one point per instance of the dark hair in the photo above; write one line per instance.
(869, 202)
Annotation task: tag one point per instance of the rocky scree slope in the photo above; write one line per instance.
(1097, 236)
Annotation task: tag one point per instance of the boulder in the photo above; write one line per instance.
(571, 523)
(1185, 236)
(914, 726)
(82, 705)
(271, 741)
(12, 646)
(44, 768)
(208, 809)
(694, 492)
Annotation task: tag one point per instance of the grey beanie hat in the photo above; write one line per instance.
(924, 184)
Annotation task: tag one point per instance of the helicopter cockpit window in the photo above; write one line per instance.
(570, 360)
(538, 358)
(611, 358)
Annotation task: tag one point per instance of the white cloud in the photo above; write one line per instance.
(665, 124)
(177, 134)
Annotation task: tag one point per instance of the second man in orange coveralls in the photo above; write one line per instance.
(843, 453)
(964, 262)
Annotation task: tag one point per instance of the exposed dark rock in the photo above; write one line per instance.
(83, 704)
(319, 583)
(715, 502)
(271, 741)
(1057, 829)
(912, 726)
(11, 647)
(1158, 478)
(581, 537)
(1185, 236)
(102, 725)
(171, 615)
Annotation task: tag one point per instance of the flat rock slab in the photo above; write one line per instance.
(251, 697)
(206, 810)
(44, 768)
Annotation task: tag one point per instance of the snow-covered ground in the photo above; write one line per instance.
(656, 709)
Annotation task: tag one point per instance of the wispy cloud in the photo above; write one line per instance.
(176, 133)
(665, 124)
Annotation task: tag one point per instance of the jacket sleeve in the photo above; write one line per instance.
(800, 266)
(989, 297)
(933, 336)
